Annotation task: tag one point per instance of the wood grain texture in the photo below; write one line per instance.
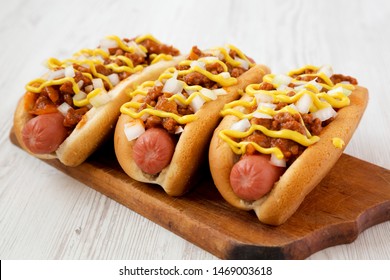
(45, 214)
(335, 212)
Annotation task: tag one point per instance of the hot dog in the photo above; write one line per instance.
(278, 141)
(153, 150)
(253, 176)
(36, 130)
(163, 133)
(71, 110)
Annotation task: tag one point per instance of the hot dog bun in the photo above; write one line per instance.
(97, 124)
(301, 177)
(190, 149)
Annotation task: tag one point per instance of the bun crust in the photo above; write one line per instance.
(301, 177)
(179, 175)
(97, 124)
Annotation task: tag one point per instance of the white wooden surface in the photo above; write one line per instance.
(44, 214)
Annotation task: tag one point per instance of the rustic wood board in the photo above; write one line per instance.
(353, 197)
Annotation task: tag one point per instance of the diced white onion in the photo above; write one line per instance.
(179, 130)
(81, 57)
(298, 83)
(86, 66)
(69, 71)
(292, 105)
(137, 48)
(303, 86)
(281, 79)
(209, 58)
(277, 162)
(304, 103)
(208, 93)
(263, 98)
(225, 75)
(198, 63)
(244, 64)
(266, 105)
(260, 115)
(158, 83)
(327, 70)
(240, 109)
(97, 83)
(314, 83)
(283, 88)
(114, 79)
(197, 103)
(325, 114)
(80, 96)
(144, 117)
(189, 91)
(134, 129)
(215, 52)
(98, 58)
(335, 91)
(299, 88)
(347, 92)
(173, 86)
(108, 44)
(175, 74)
(80, 83)
(63, 108)
(242, 125)
(220, 91)
(88, 88)
(340, 89)
(105, 50)
(53, 75)
(100, 99)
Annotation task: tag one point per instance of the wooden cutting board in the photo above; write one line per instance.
(354, 196)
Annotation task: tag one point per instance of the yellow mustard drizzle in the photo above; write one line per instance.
(214, 77)
(230, 60)
(127, 109)
(85, 101)
(283, 133)
(53, 63)
(320, 100)
(230, 110)
(43, 83)
(158, 57)
(142, 38)
(321, 75)
(224, 66)
(338, 142)
(131, 108)
(125, 47)
(92, 53)
(90, 58)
